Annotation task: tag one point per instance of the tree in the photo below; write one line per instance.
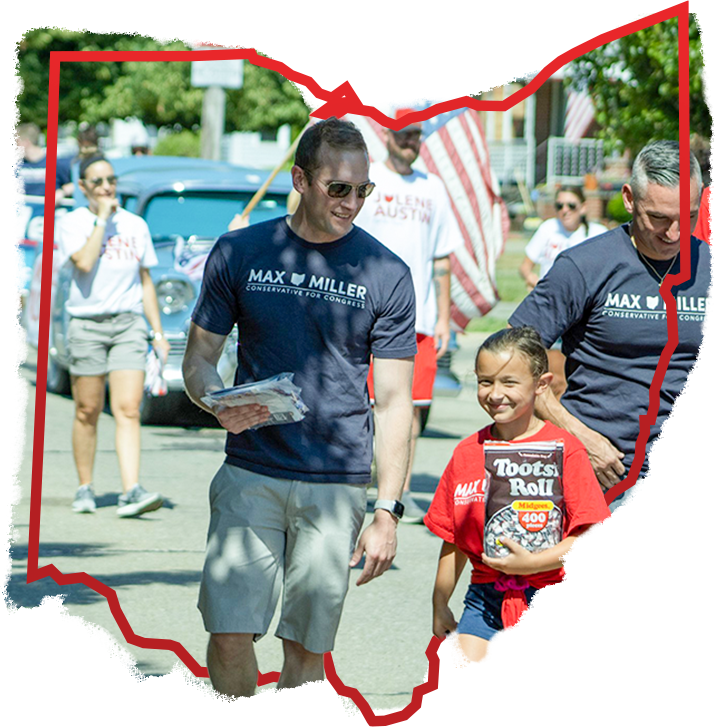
(159, 93)
(266, 101)
(633, 82)
(80, 83)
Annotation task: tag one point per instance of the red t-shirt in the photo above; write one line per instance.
(702, 228)
(457, 510)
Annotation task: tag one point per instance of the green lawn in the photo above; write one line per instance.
(486, 324)
(511, 286)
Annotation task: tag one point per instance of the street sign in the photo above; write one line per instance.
(225, 74)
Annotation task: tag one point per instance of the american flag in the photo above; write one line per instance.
(580, 113)
(454, 148)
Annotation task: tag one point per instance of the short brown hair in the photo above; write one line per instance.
(88, 135)
(524, 340)
(336, 133)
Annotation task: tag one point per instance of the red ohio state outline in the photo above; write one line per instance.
(575, 577)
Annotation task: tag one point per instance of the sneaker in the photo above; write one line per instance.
(84, 500)
(137, 501)
(413, 514)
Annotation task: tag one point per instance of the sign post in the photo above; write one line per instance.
(214, 76)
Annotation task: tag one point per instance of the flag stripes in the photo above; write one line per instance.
(580, 113)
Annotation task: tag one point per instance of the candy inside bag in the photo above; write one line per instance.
(524, 495)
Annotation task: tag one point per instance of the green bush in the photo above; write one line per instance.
(180, 144)
(616, 210)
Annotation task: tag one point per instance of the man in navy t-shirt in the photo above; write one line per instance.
(602, 297)
(315, 296)
(32, 166)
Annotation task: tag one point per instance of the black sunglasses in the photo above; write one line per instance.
(339, 190)
(560, 205)
(100, 180)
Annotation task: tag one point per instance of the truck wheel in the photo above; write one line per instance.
(159, 409)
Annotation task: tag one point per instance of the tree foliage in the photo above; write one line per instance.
(266, 101)
(633, 82)
(158, 93)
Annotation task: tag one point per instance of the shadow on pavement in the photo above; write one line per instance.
(424, 483)
(29, 595)
(16, 593)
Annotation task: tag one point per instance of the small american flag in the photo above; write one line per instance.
(189, 260)
(454, 148)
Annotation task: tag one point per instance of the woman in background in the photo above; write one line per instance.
(110, 251)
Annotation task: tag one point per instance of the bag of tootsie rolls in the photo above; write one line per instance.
(524, 495)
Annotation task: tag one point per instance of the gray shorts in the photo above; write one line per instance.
(266, 532)
(102, 344)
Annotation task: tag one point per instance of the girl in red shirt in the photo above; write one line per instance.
(512, 371)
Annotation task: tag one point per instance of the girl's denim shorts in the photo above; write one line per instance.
(482, 613)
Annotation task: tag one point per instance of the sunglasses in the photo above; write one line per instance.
(409, 135)
(100, 180)
(560, 205)
(340, 190)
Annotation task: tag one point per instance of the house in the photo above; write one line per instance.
(547, 141)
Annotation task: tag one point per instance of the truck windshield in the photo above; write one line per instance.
(206, 214)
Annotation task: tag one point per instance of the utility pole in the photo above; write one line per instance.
(214, 77)
(213, 122)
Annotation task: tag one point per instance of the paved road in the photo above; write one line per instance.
(154, 562)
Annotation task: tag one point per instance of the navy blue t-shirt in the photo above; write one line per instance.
(603, 301)
(64, 171)
(319, 311)
(33, 175)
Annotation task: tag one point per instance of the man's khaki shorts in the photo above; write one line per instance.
(107, 343)
(266, 532)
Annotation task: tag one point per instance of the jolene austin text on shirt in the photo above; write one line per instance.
(119, 247)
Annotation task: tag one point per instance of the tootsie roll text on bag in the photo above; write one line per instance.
(524, 495)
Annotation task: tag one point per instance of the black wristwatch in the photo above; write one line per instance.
(394, 507)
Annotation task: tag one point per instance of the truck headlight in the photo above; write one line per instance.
(174, 295)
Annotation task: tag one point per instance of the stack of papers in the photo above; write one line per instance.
(279, 394)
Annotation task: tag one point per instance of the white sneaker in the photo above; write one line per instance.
(413, 514)
(84, 500)
(137, 501)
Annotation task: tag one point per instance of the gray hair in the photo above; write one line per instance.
(659, 163)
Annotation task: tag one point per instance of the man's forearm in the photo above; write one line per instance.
(393, 427)
(200, 378)
(549, 408)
